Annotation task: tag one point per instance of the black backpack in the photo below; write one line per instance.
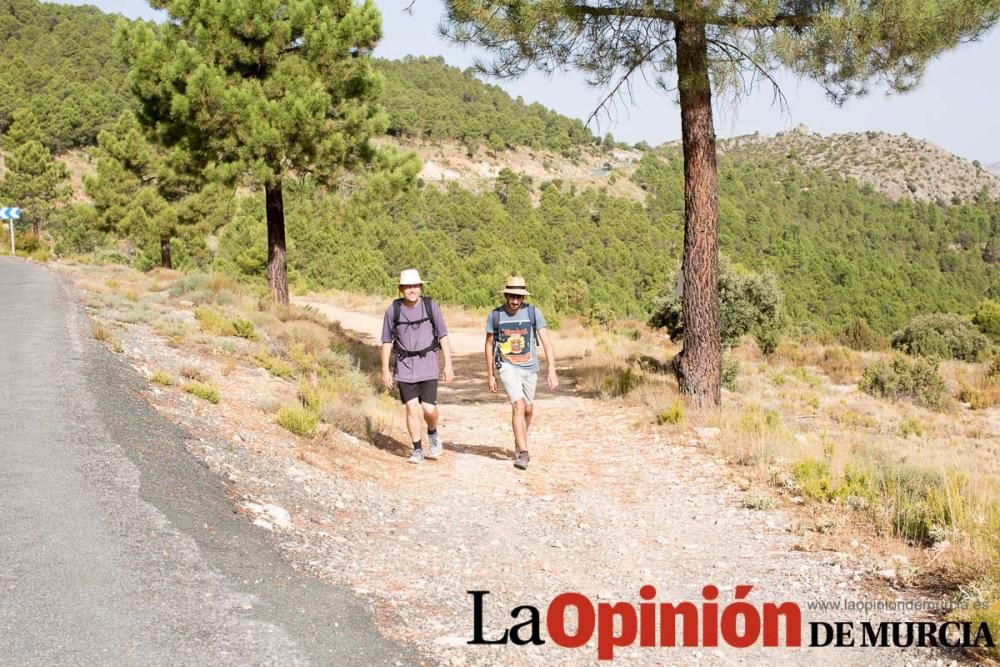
(496, 329)
(401, 352)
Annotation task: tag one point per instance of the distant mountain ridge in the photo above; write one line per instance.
(897, 166)
(994, 168)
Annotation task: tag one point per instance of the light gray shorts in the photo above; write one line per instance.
(519, 383)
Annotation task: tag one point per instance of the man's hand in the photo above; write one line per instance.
(449, 373)
(553, 380)
(387, 380)
(492, 383)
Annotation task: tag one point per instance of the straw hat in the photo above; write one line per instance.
(515, 285)
(410, 277)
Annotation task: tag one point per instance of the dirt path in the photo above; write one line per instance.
(608, 506)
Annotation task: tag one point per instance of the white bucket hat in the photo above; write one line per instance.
(410, 277)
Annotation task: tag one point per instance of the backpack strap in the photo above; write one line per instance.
(401, 352)
(429, 312)
(534, 324)
(495, 315)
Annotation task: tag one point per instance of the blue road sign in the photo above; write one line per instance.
(10, 213)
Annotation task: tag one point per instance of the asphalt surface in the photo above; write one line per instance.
(116, 546)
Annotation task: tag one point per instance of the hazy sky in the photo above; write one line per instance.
(957, 106)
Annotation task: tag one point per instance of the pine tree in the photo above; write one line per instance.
(726, 45)
(141, 192)
(261, 89)
(34, 180)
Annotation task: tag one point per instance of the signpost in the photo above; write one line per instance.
(10, 214)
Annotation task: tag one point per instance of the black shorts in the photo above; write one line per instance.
(426, 391)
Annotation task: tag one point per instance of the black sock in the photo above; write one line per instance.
(432, 432)
(416, 445)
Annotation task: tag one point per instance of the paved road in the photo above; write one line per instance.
(117, 547)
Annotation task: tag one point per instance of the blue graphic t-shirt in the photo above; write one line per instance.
(515, 338)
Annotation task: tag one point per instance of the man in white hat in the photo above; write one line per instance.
(513, 332)
(413, 328)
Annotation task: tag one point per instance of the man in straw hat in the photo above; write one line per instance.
(414, 329)
(513, 332)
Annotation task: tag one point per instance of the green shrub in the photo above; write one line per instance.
(748, 302)
(916, 380)
(244, 329)
(768, 339)
(160, 377)
(909, 427)
(205, 391)
(672, 415)
(942, 335)
(858, 335)
(987, 318)
(274, 365)
(214, 322)
(730, 372)
(298, 419)
(759, 423)
(814, 479)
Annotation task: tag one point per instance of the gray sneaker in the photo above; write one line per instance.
(521, 460)
(436, 448)
(417, 456)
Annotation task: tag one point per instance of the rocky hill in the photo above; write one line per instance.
(898, 166)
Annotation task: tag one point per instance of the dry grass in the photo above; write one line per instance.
(313, 338)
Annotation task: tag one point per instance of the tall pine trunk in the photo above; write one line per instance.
(165, 260)
(277, 268)
(699, 364)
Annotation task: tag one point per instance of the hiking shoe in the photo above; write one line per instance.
(417, 456)
(436, 448)
(521, 460)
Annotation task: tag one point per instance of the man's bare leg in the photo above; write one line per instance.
(414, 419)
(519, 422)
(430, 416)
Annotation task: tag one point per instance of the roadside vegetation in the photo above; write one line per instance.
(900, 446)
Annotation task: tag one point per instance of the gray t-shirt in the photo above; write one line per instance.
(515, 337)
(415, 337)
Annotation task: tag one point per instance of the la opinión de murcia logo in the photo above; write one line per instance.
(739, 624)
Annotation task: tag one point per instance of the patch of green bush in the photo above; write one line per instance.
(298, 419)
(987, 318)
(748, 302)
(858, 335)
(245, 329)
(161, 377)
(672, 415)
(274, 365)
(942, 335)
(201, 390)
(909, 427)
(730, 372)
(815, 479)
(915, 380)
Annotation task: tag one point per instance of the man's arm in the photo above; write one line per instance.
(385, 353)
(550, 357)
(491, 378)
(449, 372)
